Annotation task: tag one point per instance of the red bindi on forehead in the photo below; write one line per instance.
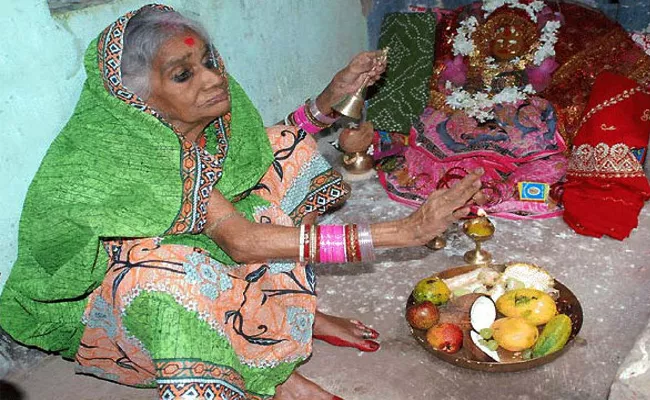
(189, 41)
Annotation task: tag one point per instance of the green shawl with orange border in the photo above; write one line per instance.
(116, 170)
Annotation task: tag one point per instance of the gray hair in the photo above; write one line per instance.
(145, 33)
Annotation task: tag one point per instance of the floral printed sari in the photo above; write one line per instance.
(113, 269)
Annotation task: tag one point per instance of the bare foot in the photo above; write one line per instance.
(297, 387)
(344, 332)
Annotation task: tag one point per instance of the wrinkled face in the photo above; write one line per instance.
(187, 87)
(508, 43)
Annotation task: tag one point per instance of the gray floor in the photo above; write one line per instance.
(609, 278)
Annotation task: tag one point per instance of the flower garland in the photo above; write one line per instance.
(480, 105)
(532, 9)
(463, 43)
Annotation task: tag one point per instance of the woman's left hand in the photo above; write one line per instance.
(367, 64)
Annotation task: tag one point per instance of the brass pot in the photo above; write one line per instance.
(358, 162)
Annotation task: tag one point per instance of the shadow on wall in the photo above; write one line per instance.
(59, 6)
(9, 391)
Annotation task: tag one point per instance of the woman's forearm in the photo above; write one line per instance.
(392, 234)
(245, 241)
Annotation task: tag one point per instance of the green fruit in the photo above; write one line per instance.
(431, 289)
(492, 345)
(486, 333)
(554, 336)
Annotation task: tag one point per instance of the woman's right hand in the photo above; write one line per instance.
(443, 207)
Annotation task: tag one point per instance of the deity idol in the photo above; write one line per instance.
(484, 112)
(510, 79)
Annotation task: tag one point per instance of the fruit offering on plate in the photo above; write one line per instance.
(502, 317)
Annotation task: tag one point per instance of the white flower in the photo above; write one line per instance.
(463, 47)
(536, 6)
(547, 41)
(490, 5)
(508, 95)
(551, 26)
(458, 98)
(463, 43)
(528, 89)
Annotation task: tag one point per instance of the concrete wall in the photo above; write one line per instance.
(281, 52)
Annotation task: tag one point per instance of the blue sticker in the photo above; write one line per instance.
(639, 154)
(533, 191)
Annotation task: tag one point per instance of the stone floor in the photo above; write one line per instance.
(609, 278)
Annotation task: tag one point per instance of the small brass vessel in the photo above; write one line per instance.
(437, 243)
(358, 162)
(478, 229)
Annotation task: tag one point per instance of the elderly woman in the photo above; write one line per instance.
(168, 239)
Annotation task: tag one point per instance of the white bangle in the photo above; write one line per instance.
(320, 117)
(301, 258)
(366, 247)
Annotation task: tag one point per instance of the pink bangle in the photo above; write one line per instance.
(338, 244)
(323, 244)
(300, 118)
(332, 244)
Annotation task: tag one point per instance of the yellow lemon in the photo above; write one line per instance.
(514, 334)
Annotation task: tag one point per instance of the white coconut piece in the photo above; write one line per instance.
(483, 313)
(476, 338)
(530, 275)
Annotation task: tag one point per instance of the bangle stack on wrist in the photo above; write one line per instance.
(319, 116)
(336, 243)
(308, 118)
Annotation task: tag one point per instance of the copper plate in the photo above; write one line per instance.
(567, 303)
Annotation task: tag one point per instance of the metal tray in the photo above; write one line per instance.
(567, 303)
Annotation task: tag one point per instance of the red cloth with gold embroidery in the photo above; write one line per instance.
(606, 185)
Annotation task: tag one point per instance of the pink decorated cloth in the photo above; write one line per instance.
(522, 144)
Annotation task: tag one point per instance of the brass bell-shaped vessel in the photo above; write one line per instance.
(352, 104)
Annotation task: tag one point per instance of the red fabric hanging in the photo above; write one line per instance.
(606, 186)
